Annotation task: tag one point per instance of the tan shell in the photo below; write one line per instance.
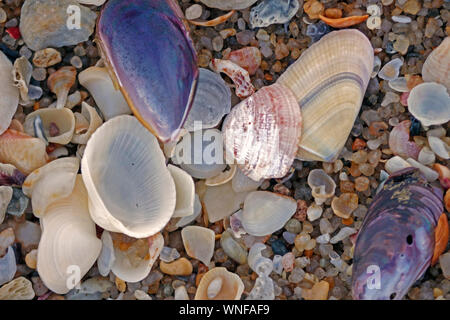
(8, 92)
(199, 243)
(69, 246)
(185, 190)
(63, 118)
(17, 289)
(437, 65)
(329, 81)
(22, 71)
(94, 121)
(219, 284)
(321, 184)
(60, 83)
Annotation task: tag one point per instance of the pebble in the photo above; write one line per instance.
(76, 62)
(344, 205)
(278, 247)
(314, 212)
(31, 259)
(46, 58)
(401, 19)
(313, 9)
(3, 16)
(319, 291)
(180, 267)
(194, 12)
(269, 12)
(288, 262)
(444, 261)
(412, 7)
(7, 238)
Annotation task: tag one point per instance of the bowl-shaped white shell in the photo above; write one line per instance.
(437, 65)
(185, 191)
(321, 184)
(8, 92)
(219, 284)
(50, 183)
(109, 100)
(266, 212)
(197, 211)
(130, 188)
(199, 243)
(94, 121)
(329, 81)
(69, 245)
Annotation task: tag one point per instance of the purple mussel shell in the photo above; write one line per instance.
(148, 49)
(396, 241)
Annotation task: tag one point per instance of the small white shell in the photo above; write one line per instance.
(391, 69)
(222, 177)
(109, 100)
(266, 212)
(229, 287)
(395, 164)
(436, 67)
(429, 173)
(107, 256)
(8, 92)
(439, 147)
(185, 191)
(322, 185)
(94, 121)
(197, 211)
(199, 243)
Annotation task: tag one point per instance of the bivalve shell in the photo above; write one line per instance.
(219, 284)
(199, 243)
(185, 191)
(437, 65)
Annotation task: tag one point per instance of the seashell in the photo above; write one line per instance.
(21, 72)
(58, 124)
(239, 76)
(181, 293)
(10, 176)
(93, 122)
(228, 5)
(429, 102)
(18, 203)
(436, 67)
(160, 24)
(109, 100)
(242, 183)
(8, 266)
(107, 256)
(199, 243)
(232, 248)
(374, 10)
(212, 101)
(269, 12)
(213, 22)
(200, 153)
(18, 289)
(130, 189)
(399, 141)
(262, 133)
(391, 69)
(8, 92)
(197, 211)
(248, 58)
(317, 30)
(60, 82)
(429, 173)
(69, 243)
(341, 82)
(399, 84)
(185, 192)
(343, 22)
(261, 265)
(426, 156)
(221, 201)
(59, 153)
(135, 259)
(7, 239)
(46, 58)
(439, 147)
(92, 2)
(179, 267)
(322, 185)
(266, 212)
(50, 183)
(376, 66)
(23, 151)
(444, 175)
(344, 205)
(222, 177)
(6, 194)
(37, 128)
(46, 23)
(219, 284)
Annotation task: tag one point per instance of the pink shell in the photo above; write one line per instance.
(240, 76)
(248, 58)
(399, 141)
(262, 132)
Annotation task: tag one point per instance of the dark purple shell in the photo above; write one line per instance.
(397, 237)
(147, 46)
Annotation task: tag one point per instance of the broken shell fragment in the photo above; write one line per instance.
(262, 133)
(109, 100)
(199, 243)
(248, 58)
(222, 177)
(160, 24)
(22, 71)
(329, 81)
(242, 183)
(399, 141)
(322, 185)
(184, 221)
(229, 5)
(8, 92)
(444, 175)
(185, 192)
(439, 147)
(60, 83)
(19, 289)
(266, 212)
(429, 102)
(130, 188)
(239, 76)
(94, 121)
(26, 153)
(269, 12)
(219, 284)
(58, 124)
(50, 183)
(69, 243)
(436, 67)
(343, 22)
(391, 69)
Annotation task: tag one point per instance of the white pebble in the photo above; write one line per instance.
(373, 23)
(401, 19)
(194, 12)
(439, 147)
(429, 173)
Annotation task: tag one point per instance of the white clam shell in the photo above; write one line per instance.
(229, 287)
(63, 118)
(229, 4)
(322, 185)
(439, 147)
(109, 100)
(6, 193)
(199, 243)
(185, 191)
(69, 246)
(8, 92)
(436, 67)
(130, 188)
(50, 183)
(136, 269)
(107, 256)
(266, 212)
(329, 81)
(429, 102)
(197, 211)
(94, 121)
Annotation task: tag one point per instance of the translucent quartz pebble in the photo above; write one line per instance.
(391, 69)
(426, 156)
(96, 284)
(263, 289)
(317, 30)
(383, 178)
(211, 102)
(336, 261)
(429, 173)
(261, 265)
(324, 238)
(169, 254)
(289, 237)
(343, 234)
(314, 212)
(390, 97)
(8, 266)
(277, 263)
(181, 293)
(46, 23)
(399, 84)
(401, 19)
(107, 256)
(242, 183)
(269, 12)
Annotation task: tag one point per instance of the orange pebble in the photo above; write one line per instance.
(348, 221)
(334, 13)
(343, 22)
(198, 278)
(308, 253)
(358, 144)
(36, 106)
